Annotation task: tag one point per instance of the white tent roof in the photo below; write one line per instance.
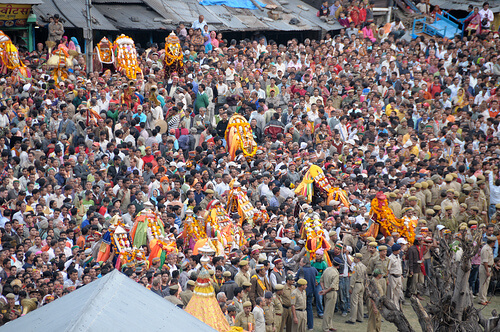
(112, 303)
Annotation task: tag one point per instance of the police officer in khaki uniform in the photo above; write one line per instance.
(269, 315)
(394, 205)
(462, 216)
(435, 188)
(243, 275)
(10, 305)
(172, 298)
(286, 301)
(330, 284)
(454, 184)
(464, 194)
(278, 307)
(485, 269)
(427, 193)
(495, 215)
(299, 305)
(420, 195)
(477, 201)
(380, 262)
(450, 200)
(448, 179)
(187, 294)
(374, 316)
(245, 318)
(358, 279)
(449, 219)
(246, 291)
(414, 203)
(371, 252)
(432, 221)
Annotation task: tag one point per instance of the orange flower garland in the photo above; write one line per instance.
(384, 216)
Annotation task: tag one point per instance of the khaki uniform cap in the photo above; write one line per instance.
(302, 281)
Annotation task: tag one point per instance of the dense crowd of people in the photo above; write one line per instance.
(417, 121)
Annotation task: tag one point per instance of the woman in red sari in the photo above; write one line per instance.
(362, 12)
(354, 15)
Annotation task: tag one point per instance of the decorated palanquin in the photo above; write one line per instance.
(133, 257)
(261, 216)
(126, 57)
(312, 232)
(237, 202)
(115, 242)
(194, 229)
(147, 226)
(385, 222)
(315, 183)
(220, 231)
(104, 56)
(174, 58)
(60, 61)
(239, 136)
(9, 56)
(161, 247)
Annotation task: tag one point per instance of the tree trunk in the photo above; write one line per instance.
(423, 317)
(462, 295)
(450, 308)
(388, 309)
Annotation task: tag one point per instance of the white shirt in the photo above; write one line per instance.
(488, 14)
(395, 27)
(494, 191)
(260, 320)
(197, 25)
(221, 188)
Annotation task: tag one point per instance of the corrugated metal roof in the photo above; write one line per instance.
(137, 2)
(166, 14)
(22, 2)
(132, 17)
(160, 8)
(72, 13)
(464, 4)
(224, 18)
(111, 303)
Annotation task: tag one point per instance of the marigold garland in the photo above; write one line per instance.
(384, 216)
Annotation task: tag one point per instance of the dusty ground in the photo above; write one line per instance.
(341, 326)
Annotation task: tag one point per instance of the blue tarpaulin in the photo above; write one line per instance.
(246, 4)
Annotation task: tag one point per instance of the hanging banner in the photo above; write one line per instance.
(14, 15)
